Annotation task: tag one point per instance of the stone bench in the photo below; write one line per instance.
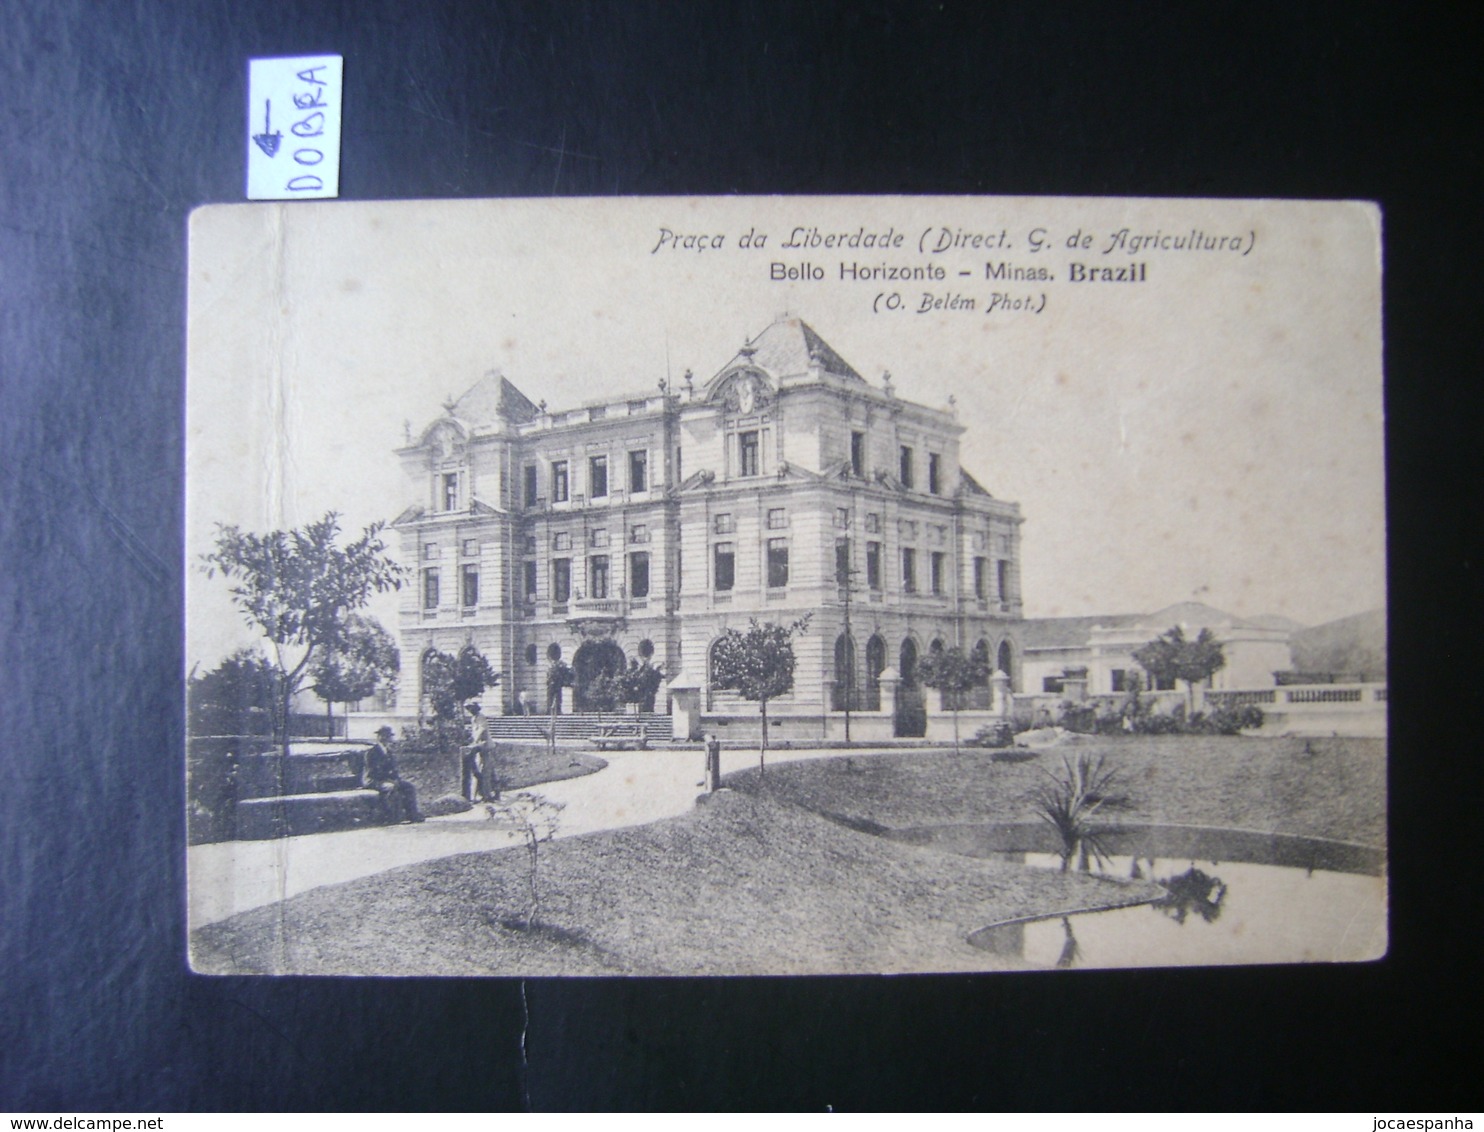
(292, 815)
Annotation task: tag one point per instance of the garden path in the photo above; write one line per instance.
(635, 788)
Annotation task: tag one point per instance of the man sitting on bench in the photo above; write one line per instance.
(397, 794)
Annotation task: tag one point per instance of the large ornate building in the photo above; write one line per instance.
(644, 525)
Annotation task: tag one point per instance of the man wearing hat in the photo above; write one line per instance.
(478, 769)
(398, 795)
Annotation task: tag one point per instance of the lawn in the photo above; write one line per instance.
(435, 774)
(742, 885)
(779, 876)
(1335, 788)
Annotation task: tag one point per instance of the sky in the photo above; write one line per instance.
(1207, 426)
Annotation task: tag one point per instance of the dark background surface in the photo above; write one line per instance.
(116, 119)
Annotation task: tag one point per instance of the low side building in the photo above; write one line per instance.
(1254, 648)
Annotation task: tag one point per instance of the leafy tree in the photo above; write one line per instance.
(604, 692)
(759, 665)
(952, 672)
(365, 659)
(298, 588)
(560, 675)
(640, 683)
(1171, 656)
(449, 682)
(237, 697)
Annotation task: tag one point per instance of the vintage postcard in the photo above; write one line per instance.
(721, 586)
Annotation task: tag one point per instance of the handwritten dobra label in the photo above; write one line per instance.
(293, 128)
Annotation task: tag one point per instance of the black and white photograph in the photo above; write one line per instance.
(737, 586)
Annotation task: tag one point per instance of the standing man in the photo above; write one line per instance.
(476, 763)
(398, 796)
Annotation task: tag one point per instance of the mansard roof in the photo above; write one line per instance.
(786, 348)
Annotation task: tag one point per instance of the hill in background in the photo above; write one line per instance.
(1354, 646)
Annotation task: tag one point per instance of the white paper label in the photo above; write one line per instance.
(293, 128)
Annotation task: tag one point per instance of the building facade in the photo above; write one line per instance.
(642, 526)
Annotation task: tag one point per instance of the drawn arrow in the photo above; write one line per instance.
(270, 138)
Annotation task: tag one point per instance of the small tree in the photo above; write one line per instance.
(952, 673)
(298, 588)
(1171, 656)
(1068, 803)
(560, 675)
(450, 682)
(536, 820)
(640, 683)
(759, 665)
(604, 692)
(365, 659)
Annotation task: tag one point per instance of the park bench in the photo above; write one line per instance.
(620, 735)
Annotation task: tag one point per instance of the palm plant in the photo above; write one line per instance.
(1068, 803)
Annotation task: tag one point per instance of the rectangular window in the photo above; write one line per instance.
(529, 570)
(935, 571)
(873, 523)
(842, 562)
(562, 540)
(561, 580)
(777, 518)
(638, 533)
(747, 453)
(528, 544)
(906, 466)
(597, 576)
(597, 476)
(909, 570)
(1120, 680)
(450, 491)
(638, 471)
(935, 473)
(1164, 684)
(777, 562)
(723, 525)
(873, 565)
(1051, 684)
(725, 571)
(639, 573)
(471, 547)
(559, 482)
(471, 585)
(1002, 579)
(430, 551)
(430, 589)
(598, 536)
(531, 485)
(981, 579)
(677, 464)
(858, 453)
(842, 518)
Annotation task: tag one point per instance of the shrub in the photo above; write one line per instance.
(1068, 802)
(1228, 720)
(1082, 718)
(1000, 733)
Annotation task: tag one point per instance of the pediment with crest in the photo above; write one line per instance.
(744, 390)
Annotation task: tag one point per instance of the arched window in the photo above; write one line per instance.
(842, 695)
(1005, 661)
(979, 693)
(908, 665)
(875, 665)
